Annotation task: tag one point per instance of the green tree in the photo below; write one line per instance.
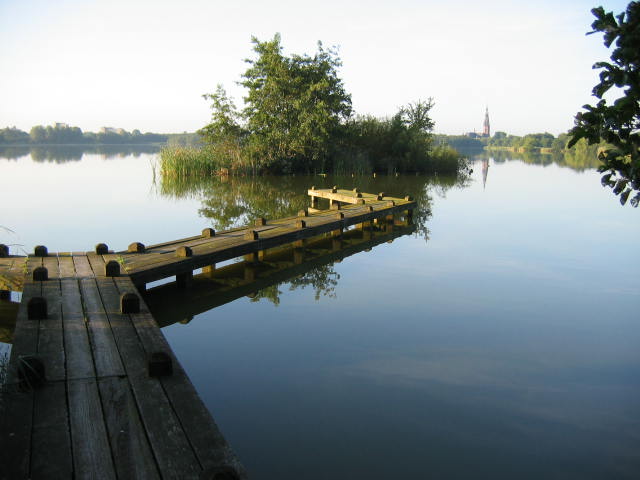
(293, 106)
(617, 123)
(38, 134)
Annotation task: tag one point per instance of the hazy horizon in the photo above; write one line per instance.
(145, 65)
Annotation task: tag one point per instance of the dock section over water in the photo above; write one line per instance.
(94, 390)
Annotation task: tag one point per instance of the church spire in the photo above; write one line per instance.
(486, 128)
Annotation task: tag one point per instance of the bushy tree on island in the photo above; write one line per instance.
(297, 117)
(293, 107)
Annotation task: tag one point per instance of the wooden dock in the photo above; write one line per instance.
(236, 280)
(94, 390)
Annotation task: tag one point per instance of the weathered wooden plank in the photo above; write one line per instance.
(91, 450)
(51, 442)
(82, 266)
(131, 451)
(16, 419)
(77, 347)
(97, 264)
(66, 267)
(171, 447)
(105, 351)
(350, 196)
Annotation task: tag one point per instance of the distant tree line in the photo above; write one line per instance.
(297, 117)
(63, 134)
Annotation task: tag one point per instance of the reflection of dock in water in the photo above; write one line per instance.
(94, 390)
(170, 303)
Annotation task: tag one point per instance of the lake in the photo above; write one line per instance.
(499, 339)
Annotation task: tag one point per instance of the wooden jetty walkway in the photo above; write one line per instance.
(93, 389)
(236, 280)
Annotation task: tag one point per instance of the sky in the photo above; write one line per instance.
(146, 64)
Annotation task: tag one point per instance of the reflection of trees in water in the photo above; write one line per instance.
(323, 280)
(74, 153)
(581, 157)
(14, 153)
(233, 201)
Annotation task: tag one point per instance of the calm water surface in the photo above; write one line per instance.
(501, 340)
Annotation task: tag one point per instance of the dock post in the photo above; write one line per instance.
(40, 274)
(252, 257)
(298, 255)
(209, 268)
(184, 280)
(338, 233)
(409, 198)
(112, 269)
(129, 303)
(249, 273)
(314, 199)
(37, 308)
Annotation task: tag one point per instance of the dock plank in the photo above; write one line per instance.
(91, 450)
(131, 451)
(51, 443)
(50, 438)
(171, 448)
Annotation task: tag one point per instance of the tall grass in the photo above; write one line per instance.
(445, 160)
(177, 161)
(223, 159)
